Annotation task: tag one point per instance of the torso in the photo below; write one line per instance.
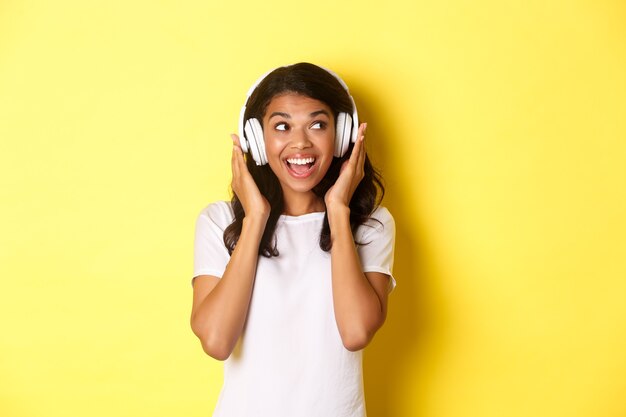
(290, 360)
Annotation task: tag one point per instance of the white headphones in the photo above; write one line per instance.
(251, 133)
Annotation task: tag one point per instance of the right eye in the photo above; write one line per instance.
(281, 126)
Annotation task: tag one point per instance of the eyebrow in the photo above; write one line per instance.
(288, 116)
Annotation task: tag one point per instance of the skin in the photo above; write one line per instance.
(294, 125)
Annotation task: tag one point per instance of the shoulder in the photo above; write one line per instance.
(382, 214)
(380, 221)
(219, 212)
(381, 217)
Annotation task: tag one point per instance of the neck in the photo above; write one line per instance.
(299, 204)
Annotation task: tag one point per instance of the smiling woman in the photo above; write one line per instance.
(291, 277)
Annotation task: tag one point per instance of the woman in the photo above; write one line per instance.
(291, 277)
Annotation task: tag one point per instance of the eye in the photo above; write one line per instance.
(281, 126)
(318, 125)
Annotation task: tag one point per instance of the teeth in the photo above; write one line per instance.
(301, 161)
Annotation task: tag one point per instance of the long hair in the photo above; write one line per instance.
(317, 83)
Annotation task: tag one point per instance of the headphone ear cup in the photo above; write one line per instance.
(343, 133)
(256, 143)
(243, 142)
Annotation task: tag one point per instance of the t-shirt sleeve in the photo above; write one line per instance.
(375, 244)
(210, 253)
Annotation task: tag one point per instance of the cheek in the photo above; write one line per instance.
(272, 147)
(329, 150)
(329, 142)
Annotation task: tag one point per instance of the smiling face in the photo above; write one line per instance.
(299, 137)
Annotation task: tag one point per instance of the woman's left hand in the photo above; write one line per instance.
(350, 175)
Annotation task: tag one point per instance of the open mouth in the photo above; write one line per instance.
(300, 167)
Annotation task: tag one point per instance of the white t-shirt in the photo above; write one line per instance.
(290, 361)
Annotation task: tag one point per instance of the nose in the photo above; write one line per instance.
(300, 138)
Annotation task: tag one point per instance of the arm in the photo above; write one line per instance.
(220, 306)
(360, 299)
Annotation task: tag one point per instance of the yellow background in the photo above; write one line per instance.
(500, 129)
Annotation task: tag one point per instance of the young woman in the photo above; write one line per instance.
(291, 277)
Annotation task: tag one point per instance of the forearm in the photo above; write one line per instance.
(220, 318)
(358, 309)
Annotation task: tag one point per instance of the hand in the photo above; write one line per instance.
(350, 175)
(243, 185)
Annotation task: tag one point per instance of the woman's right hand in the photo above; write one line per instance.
(243, 185)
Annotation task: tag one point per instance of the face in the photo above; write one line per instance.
(299, 141)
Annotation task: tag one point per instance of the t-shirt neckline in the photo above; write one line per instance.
(308, 216)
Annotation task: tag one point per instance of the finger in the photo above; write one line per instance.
(363, 150)
(235, 139)
(354, 156)
(234, 165)
(240, 157)
(358, 151)
(235, 157)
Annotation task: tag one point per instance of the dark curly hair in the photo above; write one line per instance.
(317, 83)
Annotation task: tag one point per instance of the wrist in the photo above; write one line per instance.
(338, 214)
(255, 222)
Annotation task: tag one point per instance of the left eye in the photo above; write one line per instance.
(318, 125)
